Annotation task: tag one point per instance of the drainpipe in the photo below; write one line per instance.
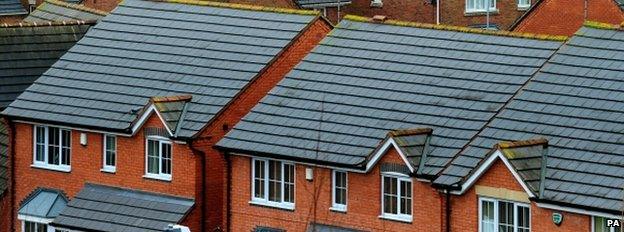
(202, 189)
(11, 154)
(448, 210)
(437, 11)
(229, 190)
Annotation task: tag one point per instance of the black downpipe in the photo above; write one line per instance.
(202, 189)
(229, 191)
(448, 210)
(11, 171)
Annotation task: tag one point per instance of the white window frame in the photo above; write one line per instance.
(524, 6)
(265, 200)
(105, 167)
(44, 164)
(25, 218)
(160, 175)
(338, 206)
(496, 222)
(480, 10)
(398, 216)
(612, 229)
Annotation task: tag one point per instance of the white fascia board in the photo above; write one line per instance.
(384, 148)
(151, 109)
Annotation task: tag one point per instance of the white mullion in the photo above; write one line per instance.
(398, 193)
(495, 203)
(515, 217)
(160, 150)
(282, 182)
(266, 180)
(46, 144)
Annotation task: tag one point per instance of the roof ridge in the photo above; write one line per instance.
(603, 26)
(242, 6)
(76, 7)
(560, 38)
(45, 24)
(521, 143)
(174, 98)
(411, 131)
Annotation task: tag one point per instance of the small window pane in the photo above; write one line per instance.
(166, 158)
(275, 181)
(54, 148)
(487, 216)
(505, 217)
(65, 147)
(152, 157)
(289, 183)
(524, 219)
(42, 227)
(110, 156)
(259, 179)
(40, 143)
(406, 197)
(390, 195)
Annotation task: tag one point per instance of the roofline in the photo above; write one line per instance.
(526, 14)
(15, 13)
(579, 209)
(262, 71)
(76, 7)
(243, 152)
(46, 24)
(460, 29)
(522, 143)
(242, 7)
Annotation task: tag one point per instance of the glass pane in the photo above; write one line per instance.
(65, 147)
(600, 224)
(390, 195)
(275, 181)
(505, 217)
(289, 183)
(487, 216)
(29, 227)
(340, 188)
(166, 158)
(40, 141)
(53, 146)
(524, 219)
(259, 179)
(152, 157)
(111, 150)
(406, 197)
(42, 227)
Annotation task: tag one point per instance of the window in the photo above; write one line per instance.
(480, 5)
(339, 190)
(34, 227)
(52, 148)
(397, 197)
(273, 183)
(503, 216)
(158, 159)
(600, 225)
(110, 153)
(524, 4)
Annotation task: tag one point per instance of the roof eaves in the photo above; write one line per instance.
(243, 7)
(77, 7)
(47, 24)
(460, 29)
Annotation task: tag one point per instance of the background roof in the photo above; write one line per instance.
(366, 79)
(11, 7)
(103, 208)
(145, 49)
(53, 10)
(576, 103)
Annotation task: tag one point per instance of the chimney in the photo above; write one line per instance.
(379, 18)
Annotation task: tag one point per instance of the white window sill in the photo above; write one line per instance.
(523, 7)
(52, 167)
(339, 208)
(286, 206)
(158, 177)
(394, 217)
(108, 170)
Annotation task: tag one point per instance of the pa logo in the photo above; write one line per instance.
(614, 223)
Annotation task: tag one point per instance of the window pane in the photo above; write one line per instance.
(390, 195)
(152, 157)
(289, 183)
(524, 219)
(505, 217)
(111, 150)
(487, 216)
(42, 227)
(65, 147)
(600, 224)
(29, 227)
(275, 181)
(40, 143)
(53, 146)
(259, 179)
(406, 197)
(166, 158)
(340, 188)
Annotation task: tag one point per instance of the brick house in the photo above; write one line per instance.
(21, 67)
(356, 133)
(559, 17)
(138, 104)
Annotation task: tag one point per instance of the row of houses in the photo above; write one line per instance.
(556, 17)
(225, 117)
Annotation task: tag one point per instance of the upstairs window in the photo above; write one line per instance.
(339, 190)
(34, 227)
(397, 197)
(502, 216)
(480, 5)
(273, 183)
(600, 224)
(524, 4)
(158, 158)
(110, 153)
(52, 148)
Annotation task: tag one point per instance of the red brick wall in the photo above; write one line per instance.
(407, 10)
(271, 3)
(453, 13)
(565, 17)
(11, 19)
(104, 5)
(5, 212)
(216, 178)
(86, 162)
(465, 208)
(363, 209)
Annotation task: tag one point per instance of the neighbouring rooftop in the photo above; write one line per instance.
(54, 10)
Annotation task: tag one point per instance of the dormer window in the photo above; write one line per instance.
(158, 157)
(52, 148)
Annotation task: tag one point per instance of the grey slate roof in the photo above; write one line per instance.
(27, 52)
(104, 208)
(43, 203)
(4, 156)
(365, 79)
(321, 3)
(576, 102)
(11, 7)
(145, 49)
(527, 161)
(54, 10)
